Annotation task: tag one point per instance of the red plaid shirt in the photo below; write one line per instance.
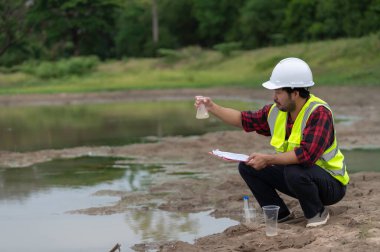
(318, 134)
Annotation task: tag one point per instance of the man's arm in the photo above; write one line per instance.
(227, 115)
(260, 161)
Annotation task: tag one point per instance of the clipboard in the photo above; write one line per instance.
(229, 156)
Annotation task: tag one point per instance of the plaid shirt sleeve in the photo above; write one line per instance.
(256, 120)
(318, 135)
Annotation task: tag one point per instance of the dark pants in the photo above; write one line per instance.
(312, 186)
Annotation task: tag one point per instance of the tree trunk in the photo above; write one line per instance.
(75, 41)
(155, 22)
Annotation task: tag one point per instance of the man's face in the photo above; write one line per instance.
(284, 101)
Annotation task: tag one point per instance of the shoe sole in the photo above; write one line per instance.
(287, 218)
(316, 224)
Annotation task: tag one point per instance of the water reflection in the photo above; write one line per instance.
(156, 225)
(34, 202)
(159, 225)
(71, 233)
(139, 176)
(20, 183)
(47, 127)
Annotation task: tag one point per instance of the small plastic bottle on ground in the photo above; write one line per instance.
(249, 212)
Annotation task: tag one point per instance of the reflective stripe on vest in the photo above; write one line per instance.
(272, 118)
(326, 156)
(327, 160)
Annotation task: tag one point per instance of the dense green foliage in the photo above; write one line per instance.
(352, 61)
(60, 68)
(55, 29)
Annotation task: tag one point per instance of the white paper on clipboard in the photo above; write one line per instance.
(230, 155)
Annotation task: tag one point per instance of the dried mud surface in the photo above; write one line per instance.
(355, 221)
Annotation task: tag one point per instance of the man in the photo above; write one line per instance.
(308, 164)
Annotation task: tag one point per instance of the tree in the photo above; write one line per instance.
(179, 23)
(177, 27)
(260, 22)
(13, 27)
(133, 28)
(217, 20)
(316, 20)
(299, 17)
(76, 27)
(371, 21)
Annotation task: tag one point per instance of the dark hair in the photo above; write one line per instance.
(304, 92)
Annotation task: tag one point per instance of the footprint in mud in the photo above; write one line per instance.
(237, 230)
(335, 212)
(278, 243)
(299, 241)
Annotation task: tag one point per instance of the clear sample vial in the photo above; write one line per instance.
(249, 211)
(202, 112)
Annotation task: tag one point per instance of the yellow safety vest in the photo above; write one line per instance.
(332, 160)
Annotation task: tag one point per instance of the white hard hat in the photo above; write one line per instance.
(290, 72)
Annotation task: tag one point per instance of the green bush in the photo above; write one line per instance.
(173, 56)
(7, 70)
(269, 62)
(227, 48)
(61, 68)
(170, 55)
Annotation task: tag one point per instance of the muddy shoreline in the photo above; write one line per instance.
(355, 222)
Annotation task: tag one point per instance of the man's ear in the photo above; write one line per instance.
(296, 93)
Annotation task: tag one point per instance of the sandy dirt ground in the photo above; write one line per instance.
(355, 221)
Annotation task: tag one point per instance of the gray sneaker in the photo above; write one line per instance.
(286, 218)
(319, 219)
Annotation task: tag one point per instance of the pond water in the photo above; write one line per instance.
(34, 202)
(362, 160)
(34, 205)
(112, 124)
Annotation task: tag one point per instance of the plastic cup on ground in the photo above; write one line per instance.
(270, 217)
(202, 112)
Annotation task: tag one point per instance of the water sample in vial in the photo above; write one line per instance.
(202, 112)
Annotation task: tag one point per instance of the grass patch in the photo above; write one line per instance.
(333, 62)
